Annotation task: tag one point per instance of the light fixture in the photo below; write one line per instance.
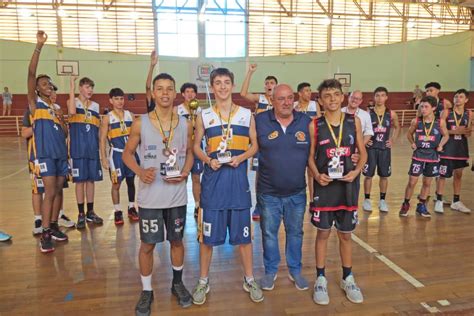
(436, 25)
(134, 15)
(297, 20)
(202, 17)
(62, 13)
(383, 23)
(267, 20)
(411, 24)
(326, 21)
(355, 22)
(99, 14)
(25, 13)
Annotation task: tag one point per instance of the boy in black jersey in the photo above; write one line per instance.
(335, 191)
(455, 156)
(427, 136)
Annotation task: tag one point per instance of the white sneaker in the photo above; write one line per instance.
(460, 207)
(320, 295)
(64, 221)
(438, 208)
(383, 206)
(367, 205)
(353, 293)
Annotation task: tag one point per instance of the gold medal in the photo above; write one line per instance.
(166, 139)
(428, 131)
(335, 168)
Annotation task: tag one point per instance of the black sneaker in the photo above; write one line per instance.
(118, 218)
(46, 241)
(184, 297)
(143, 307)
(56, 234)
(133, 215)
(81, 221)
(37, 229)
(94, 218)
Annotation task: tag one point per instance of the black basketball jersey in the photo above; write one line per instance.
(427, 141)
(381, 126)
(439, 109)
(337, 195)
(457, 146)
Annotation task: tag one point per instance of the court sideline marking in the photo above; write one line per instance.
(14, 173)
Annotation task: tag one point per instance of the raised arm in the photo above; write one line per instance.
(244, 92)
(153, 62)
(71, 102)
(41, 38)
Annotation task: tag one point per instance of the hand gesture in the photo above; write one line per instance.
(252, 68)
(147, 175)
(153, 58)
(72, 81)
(41, 37)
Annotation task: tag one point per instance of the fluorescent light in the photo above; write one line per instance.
(326, 21)
(99, 14)
(134, 15)
(62, 13)
(297, 20)
(383, 23)
(25, 13)
(202, 17)
(267, 19)
(355, 22)
(411, 24)
(436, 25)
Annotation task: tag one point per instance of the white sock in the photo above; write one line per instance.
(38, 217)
(131, 204)
(204, 280)
(61, 212)
(249, 279)
(177, 268)
(146, 282)
(117, 207)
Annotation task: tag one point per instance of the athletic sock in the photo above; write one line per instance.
(439, 197)
(346, 271)
(406, 201)
(320, 271)
(455, 198)
(80, 207)
(203, 280)
(382, 196)
(117, 208)
(177, 274)
(248, 279)
(367, 196)
(146, 282)
(131, 204)
(38, 217)
(90, 207)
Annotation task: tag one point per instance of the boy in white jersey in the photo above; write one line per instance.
(115, 128)
(84, 121)
(189, 92)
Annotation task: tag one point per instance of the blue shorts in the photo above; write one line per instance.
(85, 170)
(51, 167)
(37, 186)
(198, 167)
(213, 227)
(117, 169)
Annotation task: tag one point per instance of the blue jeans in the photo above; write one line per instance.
(273, 209)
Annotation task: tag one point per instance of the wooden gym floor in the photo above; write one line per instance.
(403, 265)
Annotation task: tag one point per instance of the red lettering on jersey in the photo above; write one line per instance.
(340, 152)
(380, 129)
(324, 142)
(432, 138)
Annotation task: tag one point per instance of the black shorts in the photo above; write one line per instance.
(447, 166)
(153, 223)
(380, 159)
(344, 221)
(427, 169)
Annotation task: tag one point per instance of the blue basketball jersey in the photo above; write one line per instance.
(119, 129)
(84, 131)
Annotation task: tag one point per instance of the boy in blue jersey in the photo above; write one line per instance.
(115, 128)
(225, 197)
(84, 121)
(49, 132)
(262, 103)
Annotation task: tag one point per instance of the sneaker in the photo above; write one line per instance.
(199, 293)
(64, 221)
(81, 221)
(353, 292)
(4, 236)
(94, 218)
(37, 229)
(367, 205)
(256, 294)
(267, 283)
(300, 282)
(256, 214)
(118, 218)
(438, 208)
(143, 307)
(404, 209)
(56, 234)
(383, 207)
(320, 295)
(422, 210)
(460, 207)
(180, 291)
(133, 215)
(46, 241)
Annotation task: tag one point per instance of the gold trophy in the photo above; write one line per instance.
(193, 106)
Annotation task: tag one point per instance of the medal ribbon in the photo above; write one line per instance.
(428, 131)
(123, 126)
(458, 123)
(337, 141)
(380, 118)
(86, 110)
(226, 131)
(166, 140)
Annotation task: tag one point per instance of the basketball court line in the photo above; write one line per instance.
(12, 174)
(409, 278)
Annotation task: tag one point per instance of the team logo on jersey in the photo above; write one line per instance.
(338, 152)
(211, 122)
(300, 136)
(150, 147)
(273, 135)
(380, 129)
